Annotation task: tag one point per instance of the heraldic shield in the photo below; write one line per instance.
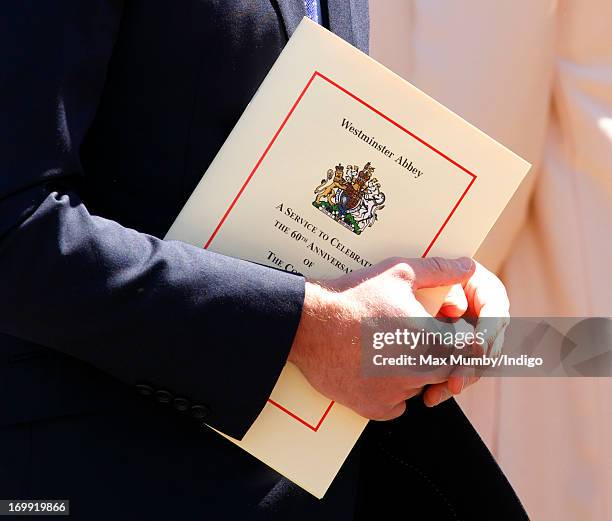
(350, 196)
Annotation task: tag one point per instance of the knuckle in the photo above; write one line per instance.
(403, 270)
(438, 264)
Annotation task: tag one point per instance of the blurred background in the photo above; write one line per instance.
(535, 75)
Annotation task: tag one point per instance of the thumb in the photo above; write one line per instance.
(432, 272)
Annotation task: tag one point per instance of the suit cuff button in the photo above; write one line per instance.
(163, 396)
(181, 404)
(199, 412)
(145, 390)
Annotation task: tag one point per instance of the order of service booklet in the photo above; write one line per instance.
(337, 163)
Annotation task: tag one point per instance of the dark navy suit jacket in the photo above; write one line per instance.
(116, 346)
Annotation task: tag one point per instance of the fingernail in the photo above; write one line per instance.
(466, 263)
(444, 395)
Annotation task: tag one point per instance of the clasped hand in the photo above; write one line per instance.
(326, 347)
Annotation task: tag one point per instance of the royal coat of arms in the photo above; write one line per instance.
(350, 196)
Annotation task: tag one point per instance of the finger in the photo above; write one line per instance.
(411, 393)
(432, 272)
(491, 330)
(456, 383)
(455, 304)
(464, 376)
(496, 349)
(436, 394)
(486, 294)
(459, 383)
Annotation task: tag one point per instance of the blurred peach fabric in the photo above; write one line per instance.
(537, 76)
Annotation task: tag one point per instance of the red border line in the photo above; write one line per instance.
(248, 179)
(395, 123)
(431, 147)
(449, 217)
(315, 428)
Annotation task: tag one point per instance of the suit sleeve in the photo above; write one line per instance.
(213, 329)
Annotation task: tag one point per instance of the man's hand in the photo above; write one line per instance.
(482, 298)
(327, 348)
